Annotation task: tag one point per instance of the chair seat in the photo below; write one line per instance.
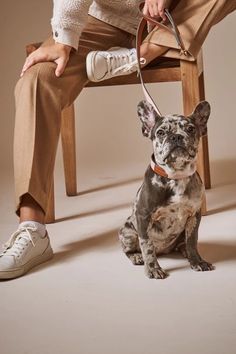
(159, 70)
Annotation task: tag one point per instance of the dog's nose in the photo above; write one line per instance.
(176, 138)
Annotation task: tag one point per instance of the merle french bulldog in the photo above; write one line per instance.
(167, 210)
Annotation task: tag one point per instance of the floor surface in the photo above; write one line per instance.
(91, 300)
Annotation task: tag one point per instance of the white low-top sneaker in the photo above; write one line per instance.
(103, 65)
(25, 249)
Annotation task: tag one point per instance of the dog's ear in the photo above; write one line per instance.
(148, 117)
(200, 116)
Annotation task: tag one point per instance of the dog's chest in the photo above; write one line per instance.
(169, 221)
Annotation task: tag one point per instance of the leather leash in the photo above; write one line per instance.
(173, 30)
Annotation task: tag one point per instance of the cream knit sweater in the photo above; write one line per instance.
(70, 17)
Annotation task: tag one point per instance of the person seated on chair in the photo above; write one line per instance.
(54, 75)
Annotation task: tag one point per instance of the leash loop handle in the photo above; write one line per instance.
(173, 30)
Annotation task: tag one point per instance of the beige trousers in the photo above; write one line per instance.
(194, 19)
(40, 95)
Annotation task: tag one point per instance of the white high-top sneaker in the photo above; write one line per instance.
(25, 249)
(103, 65)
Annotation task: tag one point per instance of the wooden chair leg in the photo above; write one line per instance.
(69, 149)
(193, 92)
(50, 214)
(204, 141)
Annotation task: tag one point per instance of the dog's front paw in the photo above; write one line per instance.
(155, 273)
(202, 266)
(136, 258)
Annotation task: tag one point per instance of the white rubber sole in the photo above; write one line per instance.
(90, 66)
(18, 272)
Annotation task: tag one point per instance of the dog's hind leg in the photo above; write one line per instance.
(181, 245)
(130, 243)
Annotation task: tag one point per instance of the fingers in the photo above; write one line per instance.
(28, 63)
(145, 9)
(155, 8)
(150, 8)
(146, 12)
(59, 53)
(162, 15)
(36, 57)
(161, 11)
(61, 64)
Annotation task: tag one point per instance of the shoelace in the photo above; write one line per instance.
(18, 241)
(130, 66)
(118, 60)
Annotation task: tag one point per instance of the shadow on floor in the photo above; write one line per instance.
(102, 210)
(213, 252)
(95, 212)
(221, 209)
(104, 241)
(111, 185)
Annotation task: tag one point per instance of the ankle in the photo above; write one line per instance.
(41, 228)
(31, 210)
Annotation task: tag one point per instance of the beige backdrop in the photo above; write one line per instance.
(108, 132)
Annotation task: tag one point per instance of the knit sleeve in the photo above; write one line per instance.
(69, 19)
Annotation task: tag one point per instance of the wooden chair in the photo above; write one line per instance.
(191, 75)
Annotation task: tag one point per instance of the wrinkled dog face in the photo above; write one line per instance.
(175, 138)
(175, 141)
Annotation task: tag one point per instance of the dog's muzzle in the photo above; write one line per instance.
(176, 145)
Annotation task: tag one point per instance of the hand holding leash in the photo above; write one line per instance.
(155, 8)
(172, 29)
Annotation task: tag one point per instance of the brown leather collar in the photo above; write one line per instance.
(161, 172)
(158, 169)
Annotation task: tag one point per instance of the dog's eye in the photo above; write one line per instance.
(160, 132)
(191, 129)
